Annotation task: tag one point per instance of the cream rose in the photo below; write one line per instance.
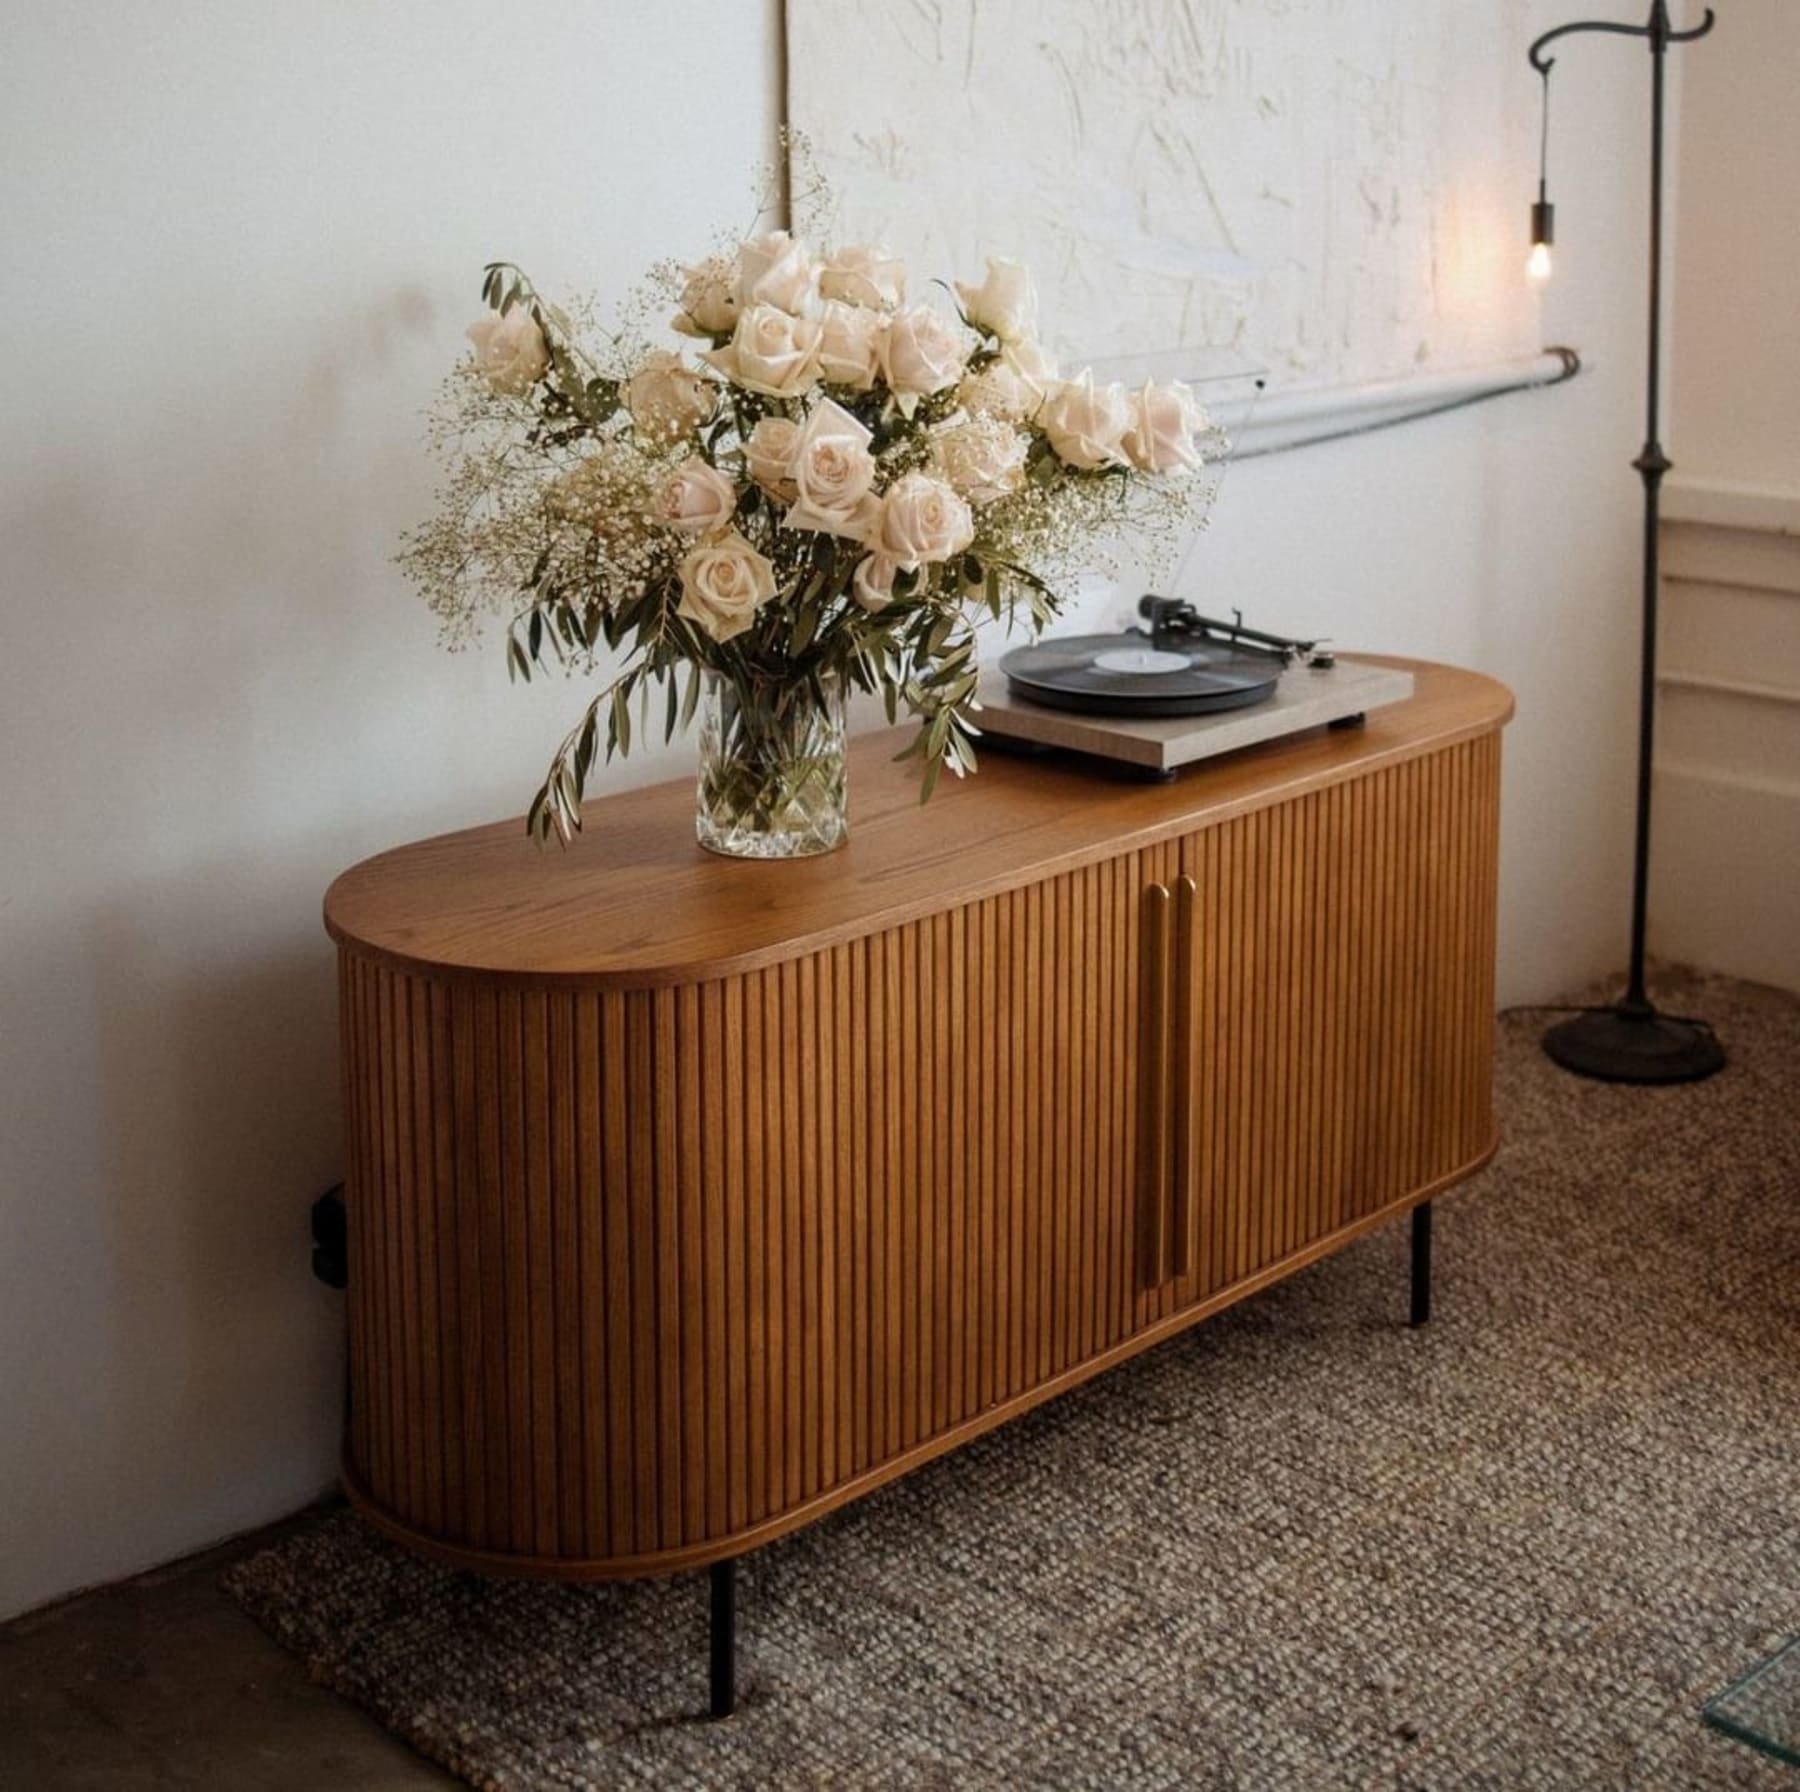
(668, 399)
(770, 352)
(510, 351)
(850, 345)
(723, 584)
(1160, 435)
(864, 274)
(833, 473)
(1086, 423)
(872, 584)
(696, 498)
(769, 457)
(1027, 359)
(920, 353)
(776, 270)
(1014, 384)
(997, 391)
(1005, 302)
(921, 519)
(983, 459)
(709, 305)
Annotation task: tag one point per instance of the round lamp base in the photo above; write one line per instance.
(1634, 1044)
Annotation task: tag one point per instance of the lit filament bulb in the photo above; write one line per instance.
(1543, 234)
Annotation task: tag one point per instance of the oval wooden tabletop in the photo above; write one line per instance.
(637, 902)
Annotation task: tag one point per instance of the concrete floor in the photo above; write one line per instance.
(162, 1682)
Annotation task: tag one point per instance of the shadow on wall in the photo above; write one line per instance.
(217, 1110)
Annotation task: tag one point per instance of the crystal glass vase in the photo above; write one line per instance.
(772, 768)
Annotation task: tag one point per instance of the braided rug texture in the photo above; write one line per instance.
(1301, 1546)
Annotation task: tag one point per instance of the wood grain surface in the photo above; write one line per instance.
(636, 901)
(642, 1276)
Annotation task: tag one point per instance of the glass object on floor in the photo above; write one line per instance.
(1763, 1708)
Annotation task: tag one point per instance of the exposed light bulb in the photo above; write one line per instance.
(1538, 263)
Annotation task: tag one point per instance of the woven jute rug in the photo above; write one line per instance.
(1302, 1546)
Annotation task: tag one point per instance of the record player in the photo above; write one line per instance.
(1183, 687)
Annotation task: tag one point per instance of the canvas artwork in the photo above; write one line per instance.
(1306, 188)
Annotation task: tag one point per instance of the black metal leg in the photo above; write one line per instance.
(724, 1638)
(1421, 1264)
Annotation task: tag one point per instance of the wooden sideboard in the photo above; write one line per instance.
(689, 1197)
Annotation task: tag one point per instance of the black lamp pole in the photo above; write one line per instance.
(1631, 1041)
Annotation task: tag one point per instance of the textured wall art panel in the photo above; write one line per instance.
(1332, 190)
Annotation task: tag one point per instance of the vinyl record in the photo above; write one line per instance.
(1131, 676)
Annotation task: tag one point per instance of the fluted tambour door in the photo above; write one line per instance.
(632, 1271)
(1332, 1001)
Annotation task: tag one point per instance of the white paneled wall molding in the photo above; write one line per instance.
(1726, 864)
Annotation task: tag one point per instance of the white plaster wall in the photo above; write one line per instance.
(241, 242)
(1725, 840)
(1736, 412)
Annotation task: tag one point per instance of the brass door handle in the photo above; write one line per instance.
(1153, 1082)
(1186, 920)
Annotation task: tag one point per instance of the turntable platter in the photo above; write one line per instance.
(1132, 675)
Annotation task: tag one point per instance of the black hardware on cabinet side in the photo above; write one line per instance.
(331, 1239)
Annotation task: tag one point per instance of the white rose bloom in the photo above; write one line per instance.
(696, 498)
(921, 519)
(1160, 436)
(983, 459)
(872, 584)
(510, 351)
(771, 352)
(776, 270)
(920, 353)
(668, 399)
(1013, 385)
(833, 473)
(1026, 358)
(1005, 302)
(850, 345)
(1086, 423)
(864, 274)
(723, 584)
(709, 304)
(769, 457)
(998, 391)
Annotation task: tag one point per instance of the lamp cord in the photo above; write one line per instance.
(1544, 138)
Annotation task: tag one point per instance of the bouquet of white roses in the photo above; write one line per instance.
(828, 494)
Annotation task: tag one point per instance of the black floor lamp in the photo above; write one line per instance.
(1632, 1041)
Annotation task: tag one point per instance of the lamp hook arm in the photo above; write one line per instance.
(1658, 30)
